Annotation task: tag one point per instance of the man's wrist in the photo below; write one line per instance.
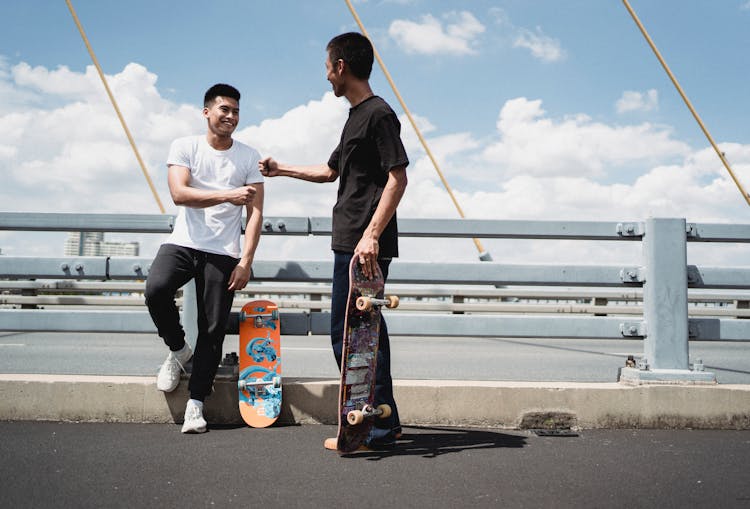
(371, 235)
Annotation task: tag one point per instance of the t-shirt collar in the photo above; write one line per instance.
(373, 96)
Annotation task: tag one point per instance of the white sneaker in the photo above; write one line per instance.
(194, 421)
(169, 373)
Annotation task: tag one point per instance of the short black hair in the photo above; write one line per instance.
(220, 90)
(355, 50)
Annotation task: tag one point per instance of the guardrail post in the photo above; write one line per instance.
(458, 299)
(665, 308)
(600, 301)
(190, 313)
(742, 304)
(29, 292)
(665, 294)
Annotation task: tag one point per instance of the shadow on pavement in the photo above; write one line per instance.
(433, 442)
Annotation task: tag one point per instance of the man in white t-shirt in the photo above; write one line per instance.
(212, 177)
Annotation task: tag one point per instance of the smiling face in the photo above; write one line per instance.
(222, 115)
(334, 74)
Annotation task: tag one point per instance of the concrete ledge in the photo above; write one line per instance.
(510, 405)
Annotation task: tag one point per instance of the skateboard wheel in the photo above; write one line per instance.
(276, 382)
(355, 417)
(385, 411)
(392, 301)
(364, 303)
(243, 316)
(275, 314)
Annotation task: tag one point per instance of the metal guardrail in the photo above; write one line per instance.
(316, 297)
(662, 278)
(433, 291)
(129, 268)
(436, 228)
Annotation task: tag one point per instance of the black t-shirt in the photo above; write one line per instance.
(369, 149)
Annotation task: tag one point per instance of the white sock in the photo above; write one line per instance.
(182, 353)
(197, 403)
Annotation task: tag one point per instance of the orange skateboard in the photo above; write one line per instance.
(359, 358)
(259, 382)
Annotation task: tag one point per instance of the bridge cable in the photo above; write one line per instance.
(114, 103)
(687, 101)
(483, 255)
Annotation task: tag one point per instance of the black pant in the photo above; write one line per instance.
(383, 428)
(172, 268)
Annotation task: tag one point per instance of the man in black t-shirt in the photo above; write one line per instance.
(370, 164)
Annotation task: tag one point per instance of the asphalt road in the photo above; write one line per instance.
(68, 465)
(578, 360)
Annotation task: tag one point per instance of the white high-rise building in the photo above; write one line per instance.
(95, 245)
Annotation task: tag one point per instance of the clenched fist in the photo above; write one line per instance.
(241, 195)
(268, 167)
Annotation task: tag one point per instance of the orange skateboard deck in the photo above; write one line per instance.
(259, 382)
(359, 358)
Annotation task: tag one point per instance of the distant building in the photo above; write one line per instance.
(95, 245)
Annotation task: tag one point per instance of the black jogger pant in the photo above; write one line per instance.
(172, 268)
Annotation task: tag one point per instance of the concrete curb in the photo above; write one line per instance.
(510, 405)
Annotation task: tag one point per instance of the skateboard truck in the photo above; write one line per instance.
(275, 382)
(273, 315)
(368, 411)
(367, 303)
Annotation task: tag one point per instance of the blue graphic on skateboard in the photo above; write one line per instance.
(259, 382)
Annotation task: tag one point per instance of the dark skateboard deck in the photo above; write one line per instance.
(359, 358)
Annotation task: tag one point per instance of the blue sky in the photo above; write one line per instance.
(273, 51)
(536, 110)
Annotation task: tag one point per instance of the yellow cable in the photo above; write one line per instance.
(477, 243)
(687, 101)
(114, 103)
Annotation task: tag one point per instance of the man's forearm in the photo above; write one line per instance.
(252, 227)
(318, 173)
(252, 238)
(391, 197)
(178, 178)
(198, 198)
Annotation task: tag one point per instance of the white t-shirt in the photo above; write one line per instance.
(213, 229)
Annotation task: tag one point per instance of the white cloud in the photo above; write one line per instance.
(531, 143)
(500, 17)
(304, 135)
(697, 188)
(13, 98)
(70, 154)
(409, 136)
(458, 36)
(73, 157)
(637, 101)
(745, 6)
(61, 82)
(541, 168)
(458, 33)
(543, 47)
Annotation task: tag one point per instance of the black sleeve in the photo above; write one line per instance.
(333, 161)
(387, 134)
